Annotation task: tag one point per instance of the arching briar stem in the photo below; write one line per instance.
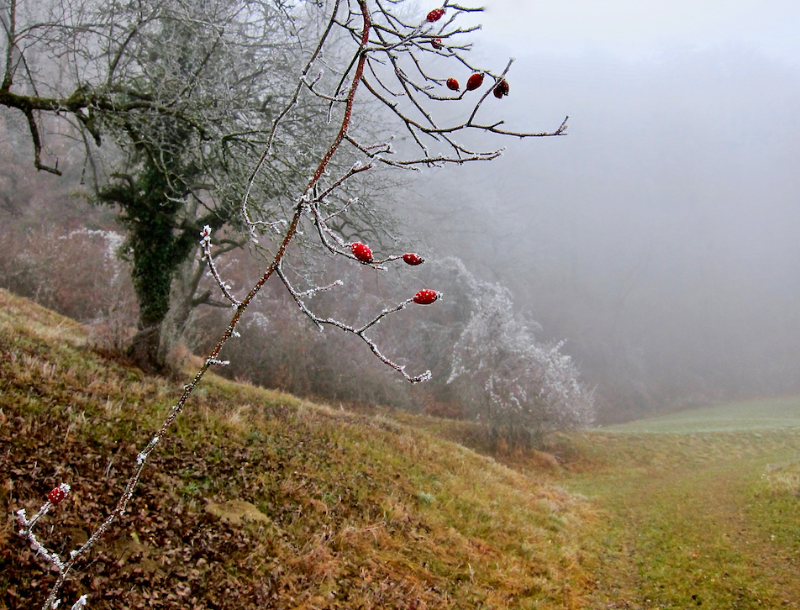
(212, 357)
(391, 39)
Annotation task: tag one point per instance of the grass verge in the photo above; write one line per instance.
(704, 520)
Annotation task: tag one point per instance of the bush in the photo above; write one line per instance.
(522, 389)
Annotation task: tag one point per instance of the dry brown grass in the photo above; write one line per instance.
(363, 511)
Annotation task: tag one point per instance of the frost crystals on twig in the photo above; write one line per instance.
(359, 332)
(388, 59)
(205, 243)
(54, 498)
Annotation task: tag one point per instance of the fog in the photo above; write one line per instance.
(660, 236)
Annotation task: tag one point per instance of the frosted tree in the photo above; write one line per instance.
(523, 389)
(182, 97)
(387, 59)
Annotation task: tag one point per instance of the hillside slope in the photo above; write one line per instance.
(685, 518)
(352, 511)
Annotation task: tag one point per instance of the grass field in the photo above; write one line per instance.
(763, 414)
(386, 511)
(694, 509)
(699, 509)
(695, 520)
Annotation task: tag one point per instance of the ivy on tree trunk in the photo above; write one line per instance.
(160, 239)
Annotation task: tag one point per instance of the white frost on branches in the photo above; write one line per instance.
(511, 380)
(382, 60)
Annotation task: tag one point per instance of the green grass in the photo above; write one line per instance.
(762, 414)
(701, 515)
(694, 510)
(692, 520)
(385, 511)
(361, 512)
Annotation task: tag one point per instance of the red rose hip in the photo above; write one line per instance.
(475, 81)
(435, 15)
(437, 44)
(57, 494)
(413, 259)
(361, 252)
(452, 84)
(425, 297)
(501, 89)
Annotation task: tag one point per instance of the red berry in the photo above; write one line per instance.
(413, 259)
(501, 89)
(361, 252)
(56, 495)
(437, 44)
(425, 297)
(435, 15)
(475, 81)
(452, 84)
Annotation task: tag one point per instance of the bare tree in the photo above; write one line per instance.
(186, 93)
(389, 61)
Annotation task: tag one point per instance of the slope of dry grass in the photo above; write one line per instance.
(352, 511)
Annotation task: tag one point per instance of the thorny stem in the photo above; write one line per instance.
(310, 199)
(211, 359)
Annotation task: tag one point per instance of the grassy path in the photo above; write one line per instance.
(693, 521)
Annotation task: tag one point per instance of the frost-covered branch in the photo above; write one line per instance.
(205, 244)
(54, 498)
(384, 54)
(360, 331)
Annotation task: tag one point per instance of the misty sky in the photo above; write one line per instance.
(640, 27)
(666, 225)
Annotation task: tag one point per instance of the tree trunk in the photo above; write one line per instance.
(151, 346)
(145, 349)
(156, 258)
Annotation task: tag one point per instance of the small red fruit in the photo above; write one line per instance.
(475, 81)
(501, 89)
(361, 252)
(452, 84)
(413, 259)
(56, 495)
(435, 15)
(437, 44)
(425, 297)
